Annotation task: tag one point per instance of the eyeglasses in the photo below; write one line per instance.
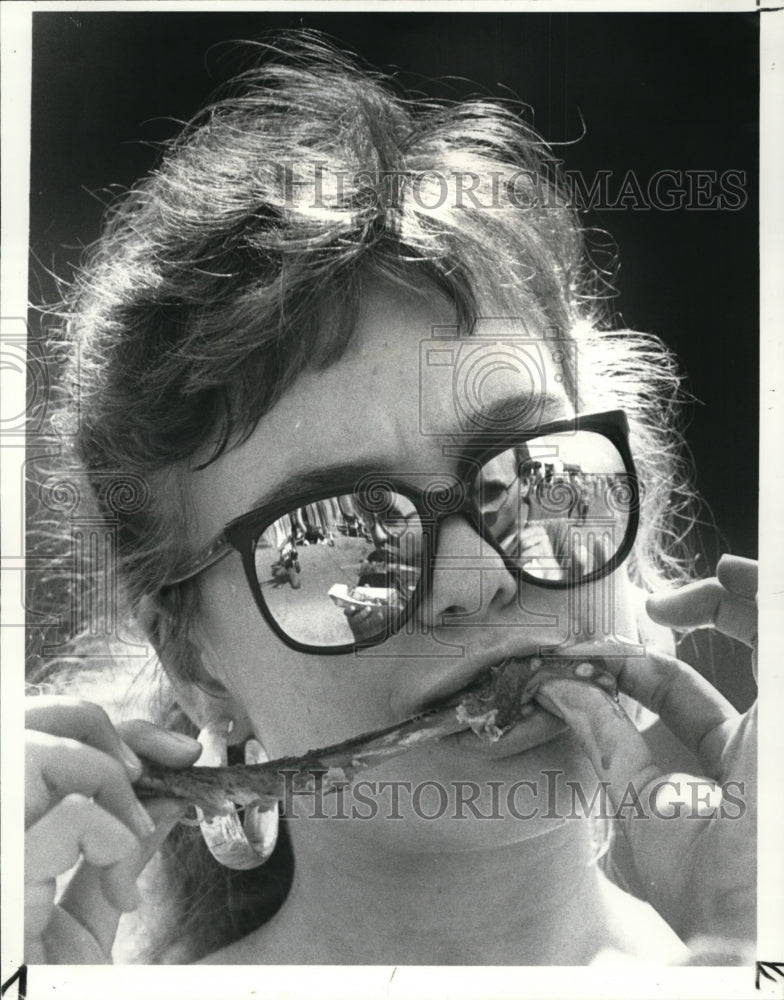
(347, 566)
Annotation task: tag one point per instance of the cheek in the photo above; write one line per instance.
(604, 610)
(294, 701)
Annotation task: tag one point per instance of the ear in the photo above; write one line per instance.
(188, 662)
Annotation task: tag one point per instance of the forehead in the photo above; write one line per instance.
(406, 386)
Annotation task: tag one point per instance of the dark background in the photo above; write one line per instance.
(612, 91)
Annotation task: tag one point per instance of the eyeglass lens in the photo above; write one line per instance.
(343, 568)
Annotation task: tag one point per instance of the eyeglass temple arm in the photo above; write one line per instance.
(207, 556)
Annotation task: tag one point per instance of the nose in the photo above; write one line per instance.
(379, 535)
(470, 580)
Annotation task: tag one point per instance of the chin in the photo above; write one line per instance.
(456, 797)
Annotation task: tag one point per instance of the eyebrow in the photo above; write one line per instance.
(329, 477)
(513, 413)
(508, 413)
(325, 477)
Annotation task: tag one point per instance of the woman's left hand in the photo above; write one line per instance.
(693, 838)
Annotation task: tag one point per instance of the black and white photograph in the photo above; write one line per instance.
(388, 512)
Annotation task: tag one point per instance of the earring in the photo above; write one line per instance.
(235, 844)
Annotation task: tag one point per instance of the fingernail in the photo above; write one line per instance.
(132, 763)
(181, 739)
(584, 670)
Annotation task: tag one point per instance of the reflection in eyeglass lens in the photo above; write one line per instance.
(558, 506)
(342, 569)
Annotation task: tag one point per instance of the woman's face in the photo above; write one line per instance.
(383, 406)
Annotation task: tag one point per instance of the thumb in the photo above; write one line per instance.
(619, 754)
(692, 848)
(649, 806)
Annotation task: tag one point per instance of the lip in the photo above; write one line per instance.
(462, 682)
(456, 687)
(535, 729)
(538, 725)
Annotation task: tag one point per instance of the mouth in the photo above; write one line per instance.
(499, 709)
(494, 716)
(536, 727)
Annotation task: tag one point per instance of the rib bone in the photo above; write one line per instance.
(490, 709)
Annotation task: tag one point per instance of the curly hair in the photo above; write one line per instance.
(242, 259)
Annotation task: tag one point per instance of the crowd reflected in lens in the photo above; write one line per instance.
(558, 506)
(343, 568)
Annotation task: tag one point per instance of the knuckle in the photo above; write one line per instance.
(80, 714)
(90, 714)
(63, 702)
(76, 802)
(113, 771)
(661, 692)
(130, 728)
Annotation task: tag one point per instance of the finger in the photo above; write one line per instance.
(56, 767)
(38, 906)
(166, 813)
(706, 602)
(75, 827)
(687, 703)
(620, 756)
(82, 721)
(34, 951)
(670, 820)
(161, 745)
(664, 816)
(87, 897)
(738, 575)
(695, 604)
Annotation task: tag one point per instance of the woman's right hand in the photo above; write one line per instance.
(80, 808)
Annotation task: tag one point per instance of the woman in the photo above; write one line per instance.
(265, 325)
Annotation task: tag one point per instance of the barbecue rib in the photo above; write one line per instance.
(490, 710)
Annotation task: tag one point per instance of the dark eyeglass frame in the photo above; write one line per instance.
(242, 533)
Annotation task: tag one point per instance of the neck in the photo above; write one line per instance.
(532, 903)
